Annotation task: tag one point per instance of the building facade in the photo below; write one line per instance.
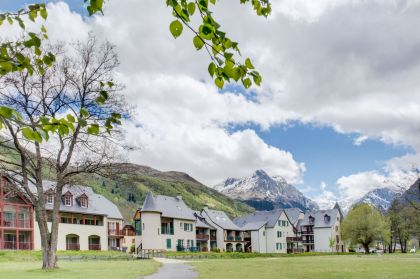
(229, 236)
(320, 230)
(268, 231)
(88, 221)
(165, 223)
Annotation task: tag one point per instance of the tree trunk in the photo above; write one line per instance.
(49, 251)
(366, 246)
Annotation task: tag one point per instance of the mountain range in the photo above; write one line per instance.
(264, 192)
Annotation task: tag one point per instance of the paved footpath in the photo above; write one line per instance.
(173, 269)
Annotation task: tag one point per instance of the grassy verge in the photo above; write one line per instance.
(31, 256)
(237, 255)
(396, 266)
(80, 270)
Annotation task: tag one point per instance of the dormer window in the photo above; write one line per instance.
(327, 218)
(68, 199)
(83, 201)
(311, 220)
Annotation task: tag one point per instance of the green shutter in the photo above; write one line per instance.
(168, 243)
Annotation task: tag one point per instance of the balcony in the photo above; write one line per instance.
(307, 232)
(293, 239)
(95, 247)
(115, 232)
(11, 223)
(12, 245)
(308, 241)
(167, 231)
(201, 236)
(73, 246)
(213, 237)
(234, 238)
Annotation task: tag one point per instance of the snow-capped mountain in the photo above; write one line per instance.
(380, 198)
(264, 192)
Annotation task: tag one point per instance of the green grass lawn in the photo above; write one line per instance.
(351, 266)
(27, 264)
(79, 270)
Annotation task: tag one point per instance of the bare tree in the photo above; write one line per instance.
(72, 88)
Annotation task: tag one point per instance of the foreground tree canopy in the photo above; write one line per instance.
(222, 50)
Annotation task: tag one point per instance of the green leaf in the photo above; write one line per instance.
(71, 118)
(176, 28)
(198, 42)
(212, 69)
(248, 64)
(6, 112)
(219, 82)
(44, 13)
(191, 8)
(93, 129)
(84, 112)
(247, 83)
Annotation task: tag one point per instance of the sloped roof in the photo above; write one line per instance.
(201, 221)
(98, 204)
(293, 214)
(171, 207)
(256, 220)
(221, 219)
(319, 221)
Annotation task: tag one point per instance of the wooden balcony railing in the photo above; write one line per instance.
(13, 245)
(11, 223)
(115, 232)
(293, 239)
(202, 236)
(73, 246)
(94, 246)
(213, 237)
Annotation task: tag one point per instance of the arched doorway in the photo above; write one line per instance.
(229, 247)
(72, 242)
(239, 247)
(94, 242)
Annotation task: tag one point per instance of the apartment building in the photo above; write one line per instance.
(268, 231)
(88, 221)
(319, 227)
(229, 236)
(165, 223)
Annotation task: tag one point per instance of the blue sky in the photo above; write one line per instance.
(355, 77)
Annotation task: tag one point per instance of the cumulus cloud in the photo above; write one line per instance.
(326, 199)
(326, 62)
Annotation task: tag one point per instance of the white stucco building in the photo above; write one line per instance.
(321, 228)
(165, 223)
(268, 231)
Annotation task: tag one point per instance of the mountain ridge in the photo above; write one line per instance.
(264, 192)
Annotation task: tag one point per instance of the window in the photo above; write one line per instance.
(279, 246)
(192, 243)
(168, 243)
(188, 227)
(279, 223)
(84, 202)
(67, 200)
(181, 225)
(188, 243)
(278, 233)
(50, 199)
(287, 223)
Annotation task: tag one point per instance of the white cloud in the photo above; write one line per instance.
(327, 62)
(326, 199)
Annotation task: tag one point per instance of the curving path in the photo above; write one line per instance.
(172, 269)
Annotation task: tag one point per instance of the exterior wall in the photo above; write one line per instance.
(180, 234)
(127, 241)
(83, 231)
(258, 241)
(322, 239)
(273, 239)
(150, 238)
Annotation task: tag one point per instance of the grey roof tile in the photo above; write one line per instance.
(171, 207)
(320, 221)
(221, 219)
